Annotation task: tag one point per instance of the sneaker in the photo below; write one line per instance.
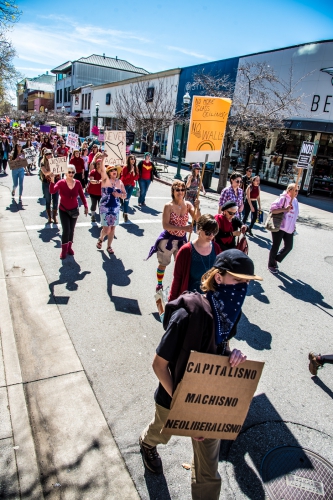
(159, 287)
(151, 458)
(273, 270)
(314, 363)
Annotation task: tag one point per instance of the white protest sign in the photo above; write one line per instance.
(30, 154)
(305, 155)
(213, 398)
(61, 130)
(115, 147)
(58, 165)
(72, 140)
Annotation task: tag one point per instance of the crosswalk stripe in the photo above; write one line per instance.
(89, 224)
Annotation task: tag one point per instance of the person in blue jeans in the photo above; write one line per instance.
(147, 171)
(18, 173)
(45, 176)
(129, 175)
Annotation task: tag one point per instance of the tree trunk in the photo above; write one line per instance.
(224, 166)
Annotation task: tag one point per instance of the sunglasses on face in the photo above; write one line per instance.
(70, 172)
(231, 213)
(180, 190)
(210, 233)
(237, 181)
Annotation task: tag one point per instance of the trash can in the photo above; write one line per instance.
(207, 178)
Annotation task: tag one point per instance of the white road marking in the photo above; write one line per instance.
(91, 224)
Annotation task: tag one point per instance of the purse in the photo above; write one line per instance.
(135, 191)
(274, 221)
(242, 244)
(260, 218)
(73, 213)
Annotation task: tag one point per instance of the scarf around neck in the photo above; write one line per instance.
(226, 303)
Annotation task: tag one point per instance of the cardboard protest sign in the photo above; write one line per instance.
(19, 163)
(72, 140)
(61, 130)
(208, 121)
(30, 154)
(58, 165)
(305, 155)
(213, 398)
(101, 137)
(115, 147)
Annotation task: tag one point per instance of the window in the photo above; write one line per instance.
(60, 95)
(150, 94)
(65, 94)
(108, 99)
(89, 100)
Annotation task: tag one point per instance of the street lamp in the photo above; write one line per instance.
(97, 110)
(63, 111)
(186, 103)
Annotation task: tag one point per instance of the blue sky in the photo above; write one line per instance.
(162, 35)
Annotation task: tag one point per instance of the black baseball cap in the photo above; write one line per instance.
(237, 264)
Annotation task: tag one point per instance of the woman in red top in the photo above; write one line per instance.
(195, 259)
(94, 186)
(129, 175)
(147, 171)
(69, 189)
(78, 163)
(91, 155)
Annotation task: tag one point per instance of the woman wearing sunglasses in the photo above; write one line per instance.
(175, 227)
(109, 206)
(69, 190)
(195, 259)
(230, 226)
(233, 193)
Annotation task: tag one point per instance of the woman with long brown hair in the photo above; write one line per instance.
(45, 176)
(129, 175)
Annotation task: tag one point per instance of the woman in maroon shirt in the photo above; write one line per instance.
(78, 163)
(69, 189)
(129, 175)
(94, 187)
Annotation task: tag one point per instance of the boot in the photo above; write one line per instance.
(55, 213)
(49, 220)
(125, 217)
(64, 250)
(93, 218)
(70, 251)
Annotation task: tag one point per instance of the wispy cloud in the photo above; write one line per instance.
(188, 52)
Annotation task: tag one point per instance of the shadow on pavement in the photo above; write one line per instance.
(323, 386)
(118, 276)
(157, 486)
(150, 211)
(261, 242)
(15, 206)
(48, 234)
(302, 291)
(263, 431)
(69, 275)
(133, 229)
(257, 291)
(253, 335)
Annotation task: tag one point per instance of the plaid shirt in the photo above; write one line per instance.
(228, 194)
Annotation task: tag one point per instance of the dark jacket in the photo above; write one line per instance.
(236, 225)
(5, 147)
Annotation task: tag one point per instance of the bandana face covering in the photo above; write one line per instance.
(226, 303)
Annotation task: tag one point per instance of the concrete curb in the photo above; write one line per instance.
(60, 443)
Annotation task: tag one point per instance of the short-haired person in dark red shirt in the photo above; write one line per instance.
(94, 151)
(94, 188)
(62, 149)
(69, 190)
(78, 163)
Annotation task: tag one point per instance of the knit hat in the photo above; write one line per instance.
(229, 204)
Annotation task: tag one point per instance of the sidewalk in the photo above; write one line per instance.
(315, 211)
(54, 440)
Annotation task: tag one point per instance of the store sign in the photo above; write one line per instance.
(304, 159)
(209, 116)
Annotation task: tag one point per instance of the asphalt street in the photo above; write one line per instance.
(107, 304)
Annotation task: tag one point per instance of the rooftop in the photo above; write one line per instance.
(108, 62)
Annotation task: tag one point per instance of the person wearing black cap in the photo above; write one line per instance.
(230, 226)
(203, 323)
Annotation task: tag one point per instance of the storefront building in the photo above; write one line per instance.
(275, 159)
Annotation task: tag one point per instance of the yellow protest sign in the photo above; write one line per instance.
(208, 121)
